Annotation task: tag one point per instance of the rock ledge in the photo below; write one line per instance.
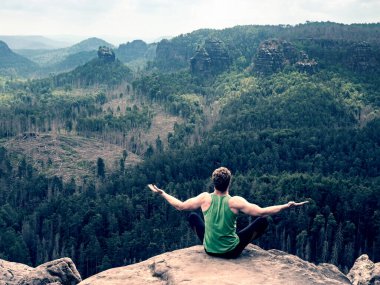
(193, 266)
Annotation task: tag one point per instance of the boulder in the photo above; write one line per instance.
(193, 266)
(57, 272)
(365, 272)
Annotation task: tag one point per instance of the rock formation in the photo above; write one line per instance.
(193, 266)
(274, 55)
(201, 62)
(211, 58)
(365, 272)
(106, 54)
(58, 272)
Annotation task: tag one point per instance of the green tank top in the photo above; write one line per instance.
(220, 226)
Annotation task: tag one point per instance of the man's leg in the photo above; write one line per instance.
(197, 225)
(253, 231)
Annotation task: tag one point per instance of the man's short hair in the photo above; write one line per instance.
(221, 178)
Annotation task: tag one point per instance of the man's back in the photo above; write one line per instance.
(220, 225)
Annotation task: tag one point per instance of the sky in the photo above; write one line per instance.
(119, 21)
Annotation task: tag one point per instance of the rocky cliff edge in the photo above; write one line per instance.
(193, 266)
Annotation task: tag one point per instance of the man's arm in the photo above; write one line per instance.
(190, 204)
(243, 205)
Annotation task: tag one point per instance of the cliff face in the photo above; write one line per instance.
(193, 266)
(211, 58)
(201, 62)
(274, 55)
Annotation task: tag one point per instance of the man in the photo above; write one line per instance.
(218, 232)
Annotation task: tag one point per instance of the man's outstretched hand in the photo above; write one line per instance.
(292, 204)
(155, 189)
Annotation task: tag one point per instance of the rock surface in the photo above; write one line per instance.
(58, 272)
(193, 266)
(365, 272)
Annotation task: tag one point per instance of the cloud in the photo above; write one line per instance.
(56, 5)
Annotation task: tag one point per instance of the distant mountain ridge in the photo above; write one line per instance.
(49, 58)
(48, 61)
(32, 42)
(89, 45)
(12, 63)
(327, 42)
(208, 51)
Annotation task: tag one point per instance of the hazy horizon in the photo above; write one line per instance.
(119, 21)
(67, 40)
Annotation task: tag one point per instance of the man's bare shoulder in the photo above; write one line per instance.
(237, 198)
(205, 196)
(236, 201)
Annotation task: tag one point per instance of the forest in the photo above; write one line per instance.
(288, 135)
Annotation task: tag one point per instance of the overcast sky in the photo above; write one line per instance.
(122, 20)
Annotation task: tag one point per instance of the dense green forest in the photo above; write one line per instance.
(289, 134)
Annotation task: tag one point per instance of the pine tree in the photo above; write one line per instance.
(100, 167)
(301, 244)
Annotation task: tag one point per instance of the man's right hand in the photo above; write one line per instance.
(155, 189)
(294, 204)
